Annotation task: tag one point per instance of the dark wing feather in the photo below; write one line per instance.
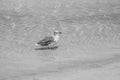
(46, 41)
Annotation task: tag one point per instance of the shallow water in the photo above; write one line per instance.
(88, 49)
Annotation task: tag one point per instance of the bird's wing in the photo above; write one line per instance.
(46, 40)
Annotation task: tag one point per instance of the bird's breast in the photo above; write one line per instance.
(56, 38)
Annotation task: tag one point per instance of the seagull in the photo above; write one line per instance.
(50, 40)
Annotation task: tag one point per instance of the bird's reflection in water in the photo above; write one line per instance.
(47, 48)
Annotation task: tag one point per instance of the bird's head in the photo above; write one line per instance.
(56, 35)
(57, 32)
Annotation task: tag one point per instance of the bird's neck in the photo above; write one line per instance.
(56, 37)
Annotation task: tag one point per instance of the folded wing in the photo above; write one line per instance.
(46, 41)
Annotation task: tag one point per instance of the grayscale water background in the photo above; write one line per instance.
(89, 48)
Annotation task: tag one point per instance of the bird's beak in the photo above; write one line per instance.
(60, 32)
